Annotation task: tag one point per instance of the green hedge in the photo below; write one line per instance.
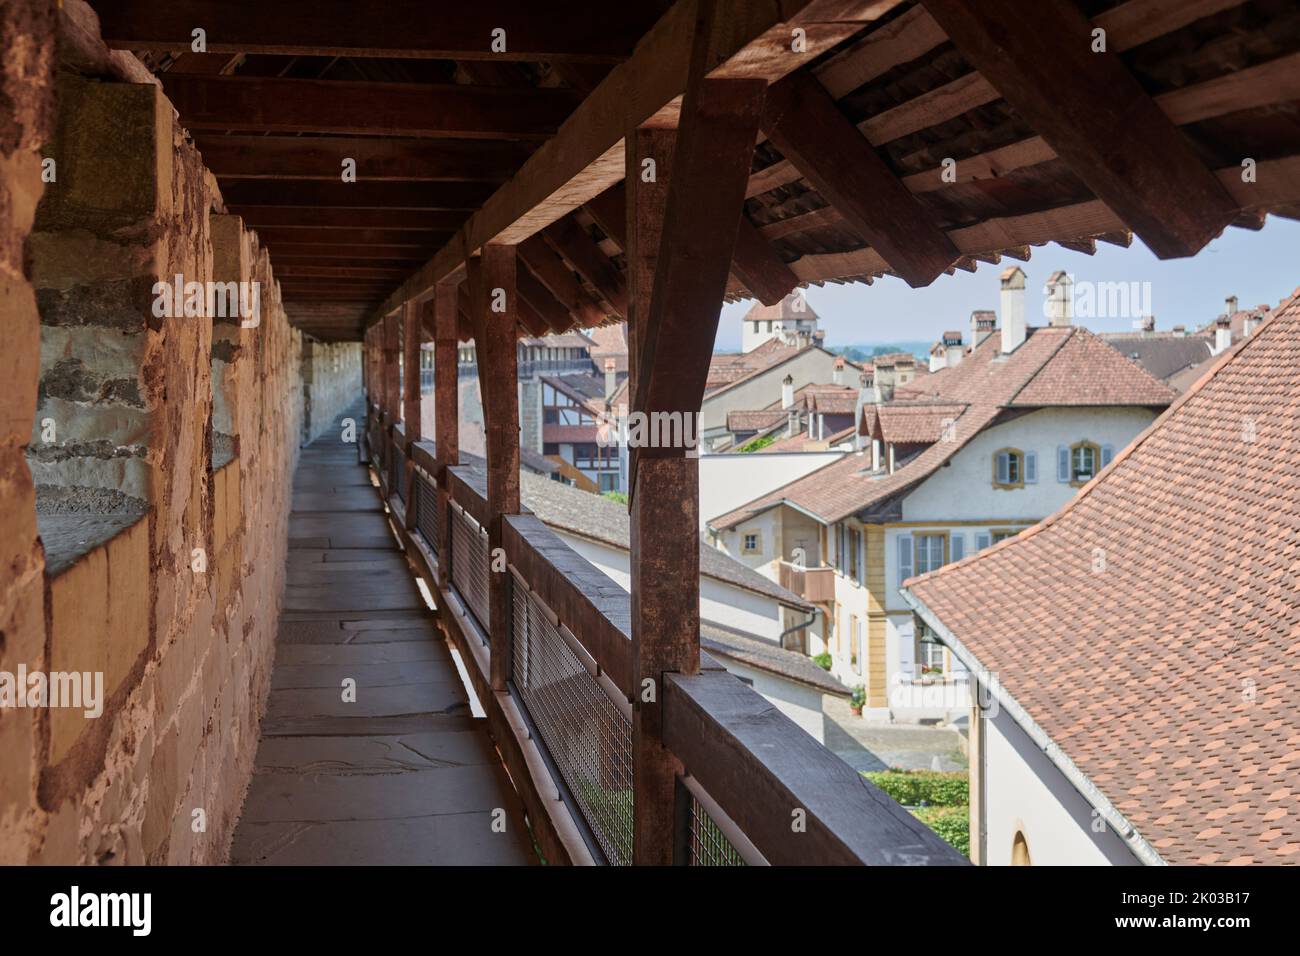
(951, 823)
(932, 787)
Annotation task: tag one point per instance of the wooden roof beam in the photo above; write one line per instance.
(299, 157)
(554, 315)
(415, 221)
(804, 123)
(591, 31)
(365, 195)
(1097, 118)
(276, 105)
(570, 239)
(586, 156)
(539, 259)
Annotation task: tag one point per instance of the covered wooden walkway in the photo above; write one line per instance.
(402, 774)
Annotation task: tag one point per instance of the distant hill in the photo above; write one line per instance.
(863, 353)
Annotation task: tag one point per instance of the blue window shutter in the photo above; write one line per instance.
(904, 558)
(1107, 453)
(1003, 467)
(1062, 463)
(956, 547)
(982, 540)
(1031, 468)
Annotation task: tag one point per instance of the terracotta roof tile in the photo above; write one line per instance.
(1151, 626)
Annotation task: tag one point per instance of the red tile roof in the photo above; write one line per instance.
(922, 423)
(1151, 627)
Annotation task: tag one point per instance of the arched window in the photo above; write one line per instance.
(1020, 850)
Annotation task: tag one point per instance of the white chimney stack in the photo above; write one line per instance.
(1251, 322)
(983, 323)
(1231, 303)
(1222, 334)
(1060, 298)
(787, 392)
(938, 356)
(611, 379)
(1013, 309)
(952, 348)
(837, 377)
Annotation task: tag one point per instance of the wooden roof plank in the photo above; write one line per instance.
(1095, 116)
(804, 123)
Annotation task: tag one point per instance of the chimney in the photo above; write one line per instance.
(938, 356)
(611, 379)
(1251, 322)
(1148, 323)
(983, 323)
(952, 348)
(1013, 309)
(1231, 305)
(792, 424)
(1060, 298)
(837, 377)
(1222, 334)
(787, 392)
(1180, 330)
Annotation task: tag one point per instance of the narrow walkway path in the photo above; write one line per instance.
(403, 774)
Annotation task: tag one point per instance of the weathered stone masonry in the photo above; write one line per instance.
(152, 455)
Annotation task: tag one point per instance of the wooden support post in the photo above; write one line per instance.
(497, 317)
(676, 300)
(392, 389)
(446, 412)
(411, 336)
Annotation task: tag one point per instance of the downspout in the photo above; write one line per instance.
(798, 627)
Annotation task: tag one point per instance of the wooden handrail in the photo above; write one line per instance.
(794, 799)
(595, 609)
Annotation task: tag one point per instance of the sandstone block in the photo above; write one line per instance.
(78, 626)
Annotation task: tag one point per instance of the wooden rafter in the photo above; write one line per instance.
(1097, 118)
(300, 157)
(803, 122)
(551, 272)
(275, 105)
(569, 239)
(586, 156)
(588, 32)
(427, 197)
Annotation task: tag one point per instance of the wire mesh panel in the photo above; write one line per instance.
(708, 845)
(588, 737)
(469, 565)
(426, 510)
(397, 472)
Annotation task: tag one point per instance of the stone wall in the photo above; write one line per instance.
(26, 119)
(331, 383)
(163, 451)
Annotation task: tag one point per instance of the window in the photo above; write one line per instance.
(751, 542)
(1001, 534)
(930, 651)
(1079, 463)
(1083, 461)
(1012, 468)
(854, 659)
(931, 552)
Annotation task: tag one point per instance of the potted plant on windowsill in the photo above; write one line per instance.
(858, 700)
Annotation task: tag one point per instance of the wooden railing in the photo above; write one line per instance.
(754, 787)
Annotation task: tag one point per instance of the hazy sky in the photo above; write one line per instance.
(1257, 267)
